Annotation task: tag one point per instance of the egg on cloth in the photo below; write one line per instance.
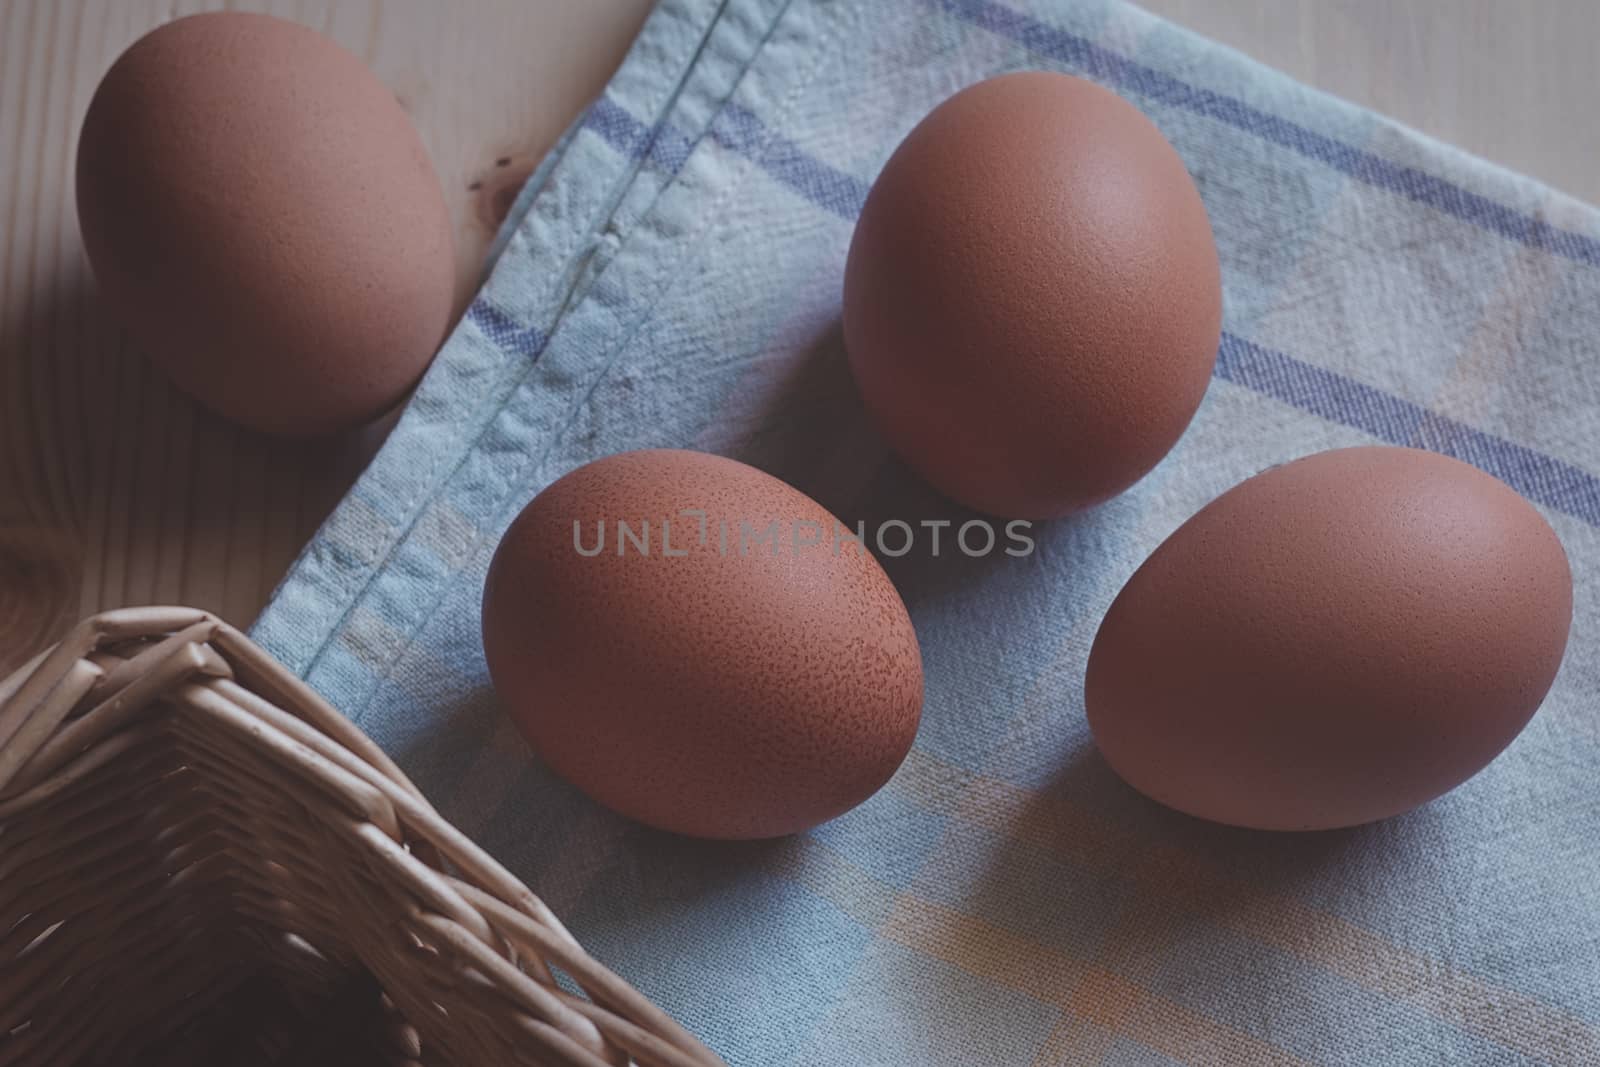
(694, 644)
(264, 220)
(1336, 640)
(1032, 298)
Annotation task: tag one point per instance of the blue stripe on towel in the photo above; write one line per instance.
(504, 330)
(1539, 477)
(1107, 66)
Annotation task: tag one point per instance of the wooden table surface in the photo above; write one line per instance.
(115, 490)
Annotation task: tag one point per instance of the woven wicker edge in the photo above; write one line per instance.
(199, 659)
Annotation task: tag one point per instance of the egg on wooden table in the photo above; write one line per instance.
(699, 646)
(265, 222)
(1334, 641)
(1032, 298)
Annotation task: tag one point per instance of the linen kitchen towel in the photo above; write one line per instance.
(672, 278)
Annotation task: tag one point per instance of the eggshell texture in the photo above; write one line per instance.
(1032, 301)
(1333, 641)
(739, 695)
(264, 220)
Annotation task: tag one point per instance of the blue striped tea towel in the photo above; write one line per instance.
(672, 278)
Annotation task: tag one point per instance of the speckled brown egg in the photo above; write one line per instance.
(262, 217)
(664, 655)
(1032, 301)
(1336, 640)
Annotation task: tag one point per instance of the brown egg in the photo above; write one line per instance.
(1333, 641)
(1031, 303)
(687, 674)
(264, 220)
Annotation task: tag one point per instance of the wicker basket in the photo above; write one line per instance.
(201, 862)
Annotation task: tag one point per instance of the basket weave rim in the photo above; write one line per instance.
(48, 742)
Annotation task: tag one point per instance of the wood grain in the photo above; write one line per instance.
(115, 490)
